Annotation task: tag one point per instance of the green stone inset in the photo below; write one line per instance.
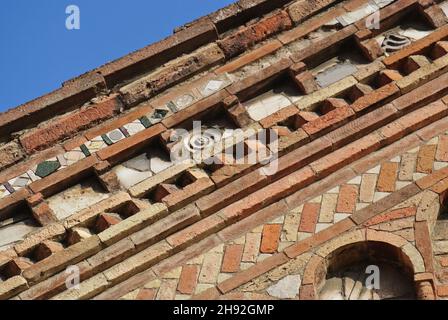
(85, 150)
(145, 122)
(107, 140)
(46, 168)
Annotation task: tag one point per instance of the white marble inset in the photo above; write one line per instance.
(73, 156)
(354, 16)
(134, 127)
(128, 177)
(265, 105)
(95, 144)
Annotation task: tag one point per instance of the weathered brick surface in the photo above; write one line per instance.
(310, 215)
(416, 47)
(387, 177)
(188, 278)
(235, 233)
(347, 199)
(171, 74)
(73, 94)
(158, 53)
(68, 125)
(232, 258)
(302, 9)
(10, 153)
(244, 39)
(59, 261)
(270, 238)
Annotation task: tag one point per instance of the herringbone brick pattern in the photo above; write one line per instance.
(220, 263)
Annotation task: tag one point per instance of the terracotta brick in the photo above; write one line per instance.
(251, 247)
(270, 238)
(118, 122)
(423, 116)
(348, 195)
(250, 57)
(309, 217)
(35, 199)
(231, 192)
(209, 294)
(307, 292)
(442, 291)
(440, 49)
(46, 249)
(60, 260)
(306, 82)
(279, 116)
(140, 262)
(328, 121)
(442, 149)
(158, 53)
(416, 47)
(43, 214)
(10, 153)
(424, 244)
(195, 110)
(381, 95)
(146, 294)
(387, 177)
(62, 128)
(407, 167)
(232, 258)
(197, 231)
(105, 221)
(425, 158)
(432, 179)
(310, 25)
(316, 48)
(443, 261)
(126, 286)
(367, 188)
(171, 74)
(73, 94)
(268, 195)
(436, 128)
(440, 187)
(362, 125)
(435, 16)
(58, 180)
(129, 145)
(11, 287)
(392, 215)
(319, 238)
(188, 279)
(422, 95)
(250, 84)
(387, 76)
(384, 204)
(371, 49)
(16, 267)
(52, 231)
(109, 256)
(253, 272)
(52, 286)
(346, 155)
(247, 37)
(302, 156)
(179, 199)
(166, 226)
(303, 9)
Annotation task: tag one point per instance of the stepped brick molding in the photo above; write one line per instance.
(317, 139)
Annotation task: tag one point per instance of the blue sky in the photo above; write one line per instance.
(38, 53)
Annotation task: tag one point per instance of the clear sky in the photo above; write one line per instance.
(38, 53)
